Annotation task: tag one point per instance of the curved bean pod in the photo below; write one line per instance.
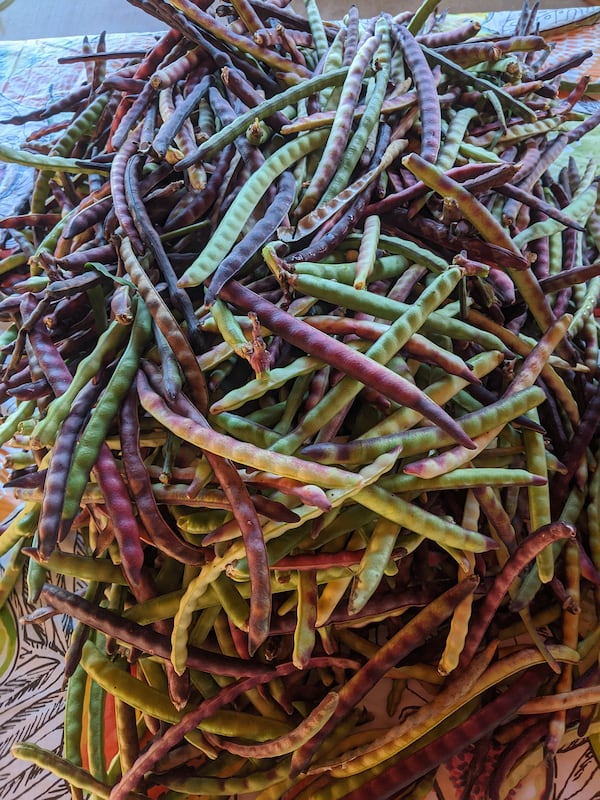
(526, 551)
(423, 522)
(138, 480)
(243, 206)
(340, 130)
(163, 317)
(353, 364)
(50, 163)
(92, 439)
(428, 102)
(252, 241)
(484, 720)
(370, 116)
(108, 343)
(74, 775)
(244, 453)
(143, 638)
(396, 648)
(288, 97)
(55, 484)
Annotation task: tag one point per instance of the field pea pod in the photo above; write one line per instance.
(74, 704)
(465, 479)
(544, 536)
(352, 363)
(530, 370)
(74, 775)
(244, 453)
(340, 130)
(370, 117)
(49, 163)
(470, 206)
(289, 742)
(317, 28)
(20, 527)
(423, 522)
(169, 327)
(10, 424)
(368, 252)
(304, 633)
(244, 205)
(488, 717)
(13, 571)
(95, 732)
(403, 642)
(373, 563)
(280, 101)
(156, 528)
(90, 442)
(381, 352)
(429, 107)
(198, 588)
(539, 497)
(327, 210)
(55, 483)
(254, 239)
(106, 347)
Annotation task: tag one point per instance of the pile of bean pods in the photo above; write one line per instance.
(301, 363)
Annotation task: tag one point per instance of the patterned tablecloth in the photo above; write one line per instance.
(31, 656)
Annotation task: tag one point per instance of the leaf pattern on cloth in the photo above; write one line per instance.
(32, 702)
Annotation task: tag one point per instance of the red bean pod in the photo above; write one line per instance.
(480, 724)
(332, 352)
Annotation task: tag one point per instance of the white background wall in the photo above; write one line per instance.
(30, 19)
(26, 19)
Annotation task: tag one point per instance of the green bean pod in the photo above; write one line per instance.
(103, 413)
(106, 347)
(244, 205)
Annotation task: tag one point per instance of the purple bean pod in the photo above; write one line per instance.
(149, 641)
(261, 232)
(340, 130)
(130, 118)
(523, 555)
(155, 528)
(246, 516)
(118, 192)
(126, 524)
(426, 89)
(397, 647)
(151, 239)
(49, 525)
(341, 357)
(169, 129)
(194, 205)
(480, 724)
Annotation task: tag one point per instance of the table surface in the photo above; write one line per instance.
(31, 657)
